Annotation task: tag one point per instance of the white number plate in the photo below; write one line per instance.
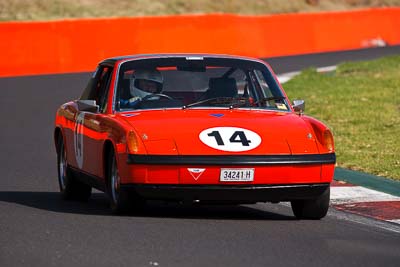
(236, 175)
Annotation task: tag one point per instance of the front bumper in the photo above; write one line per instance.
(269, 169)
(228, 193)
(254, 160)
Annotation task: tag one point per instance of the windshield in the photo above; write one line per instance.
(197, 82)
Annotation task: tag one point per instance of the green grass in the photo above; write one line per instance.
(59, 9)
(360, 102)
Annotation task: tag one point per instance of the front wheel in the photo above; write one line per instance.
(313, 209)
(70, 187)
(121, 201)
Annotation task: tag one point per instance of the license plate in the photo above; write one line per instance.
(236, 175)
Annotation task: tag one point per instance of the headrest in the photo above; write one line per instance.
(222, 87)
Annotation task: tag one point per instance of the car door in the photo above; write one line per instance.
(89, 132)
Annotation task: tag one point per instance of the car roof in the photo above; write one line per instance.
(113, 60)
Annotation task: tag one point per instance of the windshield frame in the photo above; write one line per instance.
(210, 61)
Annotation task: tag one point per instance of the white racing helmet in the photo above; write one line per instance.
(146, 82)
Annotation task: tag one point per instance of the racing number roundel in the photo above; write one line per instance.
(232, 139)
(78, 139)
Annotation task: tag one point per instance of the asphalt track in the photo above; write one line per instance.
(38, 229)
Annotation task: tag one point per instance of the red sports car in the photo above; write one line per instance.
(192, 128)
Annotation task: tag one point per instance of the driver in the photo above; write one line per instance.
(143, 83)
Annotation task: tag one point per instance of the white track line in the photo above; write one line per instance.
(327, 69)
(284, 77)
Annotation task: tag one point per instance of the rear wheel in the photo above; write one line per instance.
(70, 187)
(313, 209)
(121, 201)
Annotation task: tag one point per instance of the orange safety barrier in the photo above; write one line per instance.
(78, 45)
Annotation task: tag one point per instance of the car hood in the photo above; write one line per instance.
(222, 132)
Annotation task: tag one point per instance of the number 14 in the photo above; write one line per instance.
(237, 137)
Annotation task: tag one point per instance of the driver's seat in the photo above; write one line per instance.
(221, 87)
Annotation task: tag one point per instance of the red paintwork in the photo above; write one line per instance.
(176, 131)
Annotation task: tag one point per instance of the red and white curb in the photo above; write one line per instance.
(357, 199)
(365, 202)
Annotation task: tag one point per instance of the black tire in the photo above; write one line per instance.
(121, 201)
(312, 209)
(70, 187)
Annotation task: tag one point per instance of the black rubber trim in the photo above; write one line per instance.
(88, 179)
(232, 159)
(228, 193)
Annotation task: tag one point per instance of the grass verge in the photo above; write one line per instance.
(59, 9)
(361, 104)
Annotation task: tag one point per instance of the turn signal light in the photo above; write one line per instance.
(132, 142)
(328, 140)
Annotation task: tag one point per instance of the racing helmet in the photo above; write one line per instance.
(146, 82)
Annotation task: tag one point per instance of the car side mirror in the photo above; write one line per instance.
(299, 106)
(88, 105)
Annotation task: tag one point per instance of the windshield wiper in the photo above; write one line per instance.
(265, 99)
(241, 102)
(218, 100)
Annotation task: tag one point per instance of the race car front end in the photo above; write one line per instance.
(180, 163)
